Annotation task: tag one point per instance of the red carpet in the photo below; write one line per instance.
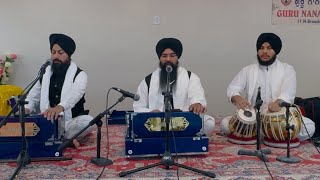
(222, 160)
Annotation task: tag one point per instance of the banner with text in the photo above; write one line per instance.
(296, 12)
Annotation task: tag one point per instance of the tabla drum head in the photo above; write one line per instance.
(247, 116)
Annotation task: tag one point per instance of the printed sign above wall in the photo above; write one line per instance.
(296, 12)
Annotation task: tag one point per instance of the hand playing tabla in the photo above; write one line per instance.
(274, 106)
(240, 102)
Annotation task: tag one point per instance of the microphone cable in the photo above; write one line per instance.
(24, 153)
(260, 149)
(265, 164)
(175, 146)
(107, 127)
(261, 153)
(264, 161)
(304, 125)
(289, 147)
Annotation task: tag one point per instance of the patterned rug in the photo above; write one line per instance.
(222, 160)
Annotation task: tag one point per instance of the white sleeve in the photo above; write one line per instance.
(195, 91)
(77, 91)
(288, 85)
(142, 104)
(33, 97)
(237, 85)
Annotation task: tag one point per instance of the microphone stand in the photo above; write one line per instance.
(23, 157)
(99, 161)
(288, 158)
(167, 159)
(260, 153)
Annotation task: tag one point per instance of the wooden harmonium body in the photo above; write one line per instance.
(42, 135)
(146, 134)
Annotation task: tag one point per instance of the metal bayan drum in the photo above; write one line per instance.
(242, 127)
(274, 124)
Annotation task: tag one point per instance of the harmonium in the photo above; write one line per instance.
(146, 134)
(42, 136)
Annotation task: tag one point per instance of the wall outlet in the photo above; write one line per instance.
(156, 20)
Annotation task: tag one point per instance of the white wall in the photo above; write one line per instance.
(116, 42)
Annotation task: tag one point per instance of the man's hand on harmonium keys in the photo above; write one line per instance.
(53, 113)
(197, 108)
(50, 114)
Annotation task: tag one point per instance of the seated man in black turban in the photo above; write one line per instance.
(62, 89)
(187, 91)
(277, 83)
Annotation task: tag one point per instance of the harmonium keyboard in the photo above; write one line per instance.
(42, 135)
(146, 134)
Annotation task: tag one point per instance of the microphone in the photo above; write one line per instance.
(46, 64)
(258, 99)
(169, 68)
(282, 103)
(259, 94)
(135, 97)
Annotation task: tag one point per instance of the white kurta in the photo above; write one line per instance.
(188, 91)
(71, 93)
(280, 83)
(277, 81)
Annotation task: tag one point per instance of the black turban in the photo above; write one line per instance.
(171, 43)
(272, 39)
(64, 41)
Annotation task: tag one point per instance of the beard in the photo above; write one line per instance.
(58, 67)
(267, 63)
(163, 75)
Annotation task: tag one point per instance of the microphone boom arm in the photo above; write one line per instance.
(24, 95)
(92, 122)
